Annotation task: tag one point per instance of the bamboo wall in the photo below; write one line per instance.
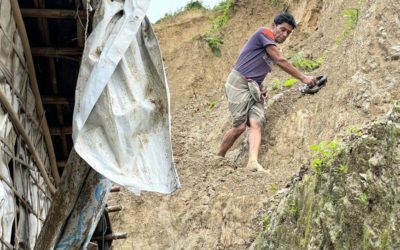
(25, 198)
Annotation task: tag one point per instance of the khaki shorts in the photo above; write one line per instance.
(241, 102)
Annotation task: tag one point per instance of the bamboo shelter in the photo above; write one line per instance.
(26, 181)
(40, 52)
(90, 106)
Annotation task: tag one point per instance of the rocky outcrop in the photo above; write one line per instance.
(352, 203)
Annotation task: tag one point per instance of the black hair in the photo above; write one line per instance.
(285, 17)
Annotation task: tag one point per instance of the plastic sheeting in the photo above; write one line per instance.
(121, 123)
(89, 207)
(7, 203)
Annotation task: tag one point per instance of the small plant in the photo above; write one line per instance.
(276, 84)
(211, 106)
(364, 199)
(355, 130)
(273, 188)
(222, 20)
(223, 5)
(214, 42)
(325, 152)
(289, 82)
(213, 36)
(193, 5)
(350, 21)
(342, 169)
(265, 222)
(299, 61)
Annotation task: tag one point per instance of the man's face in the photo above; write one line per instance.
(281, 31)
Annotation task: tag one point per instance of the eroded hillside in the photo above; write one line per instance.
(357, 43)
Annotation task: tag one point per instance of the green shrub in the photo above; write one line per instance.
(214, 42)
(302, 63)
(324, 152)
(193, 5)
(224, 5)
(222, 20)
(213, 36)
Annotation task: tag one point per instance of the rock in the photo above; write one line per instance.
(395, 52)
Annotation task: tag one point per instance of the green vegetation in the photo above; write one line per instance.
(213, 36)
(342, 169)
(265, 222)
(350, 22)
(302, 63)
(276, 84)
(274, 188)
(211, 106)
(355, 130)
(364, 199)
(289, 82)
(193, 5)
(324, 152)
(214, 42)
(220, 21)
(385, 238)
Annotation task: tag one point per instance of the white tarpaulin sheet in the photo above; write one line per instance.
(121, 124)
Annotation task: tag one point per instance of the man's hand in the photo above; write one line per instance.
(264, 94)
(309, 80)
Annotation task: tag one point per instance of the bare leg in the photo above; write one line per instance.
(229, 138)
(254, 145)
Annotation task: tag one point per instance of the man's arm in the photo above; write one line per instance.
(287, 66)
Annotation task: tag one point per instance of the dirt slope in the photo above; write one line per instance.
(219, 198)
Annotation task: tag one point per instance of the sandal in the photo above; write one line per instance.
(320, 82)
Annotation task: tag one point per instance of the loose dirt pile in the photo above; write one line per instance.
(219, 197)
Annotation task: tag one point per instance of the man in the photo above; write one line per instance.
(243, 87)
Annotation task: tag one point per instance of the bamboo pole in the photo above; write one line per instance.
(35, 89)
(61, 131)
(53, 13)
(54, 52)
(51, 70)
(112, 209)
(115, 189)
(113, 236)
(8, 245)
(57, 100)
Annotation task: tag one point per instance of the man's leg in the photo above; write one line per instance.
(254, 145)
(229, 138)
